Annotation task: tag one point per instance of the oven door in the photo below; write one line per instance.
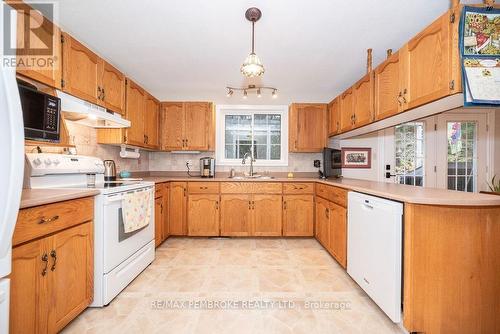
(118, 245)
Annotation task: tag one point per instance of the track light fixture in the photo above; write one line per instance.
(251, 88)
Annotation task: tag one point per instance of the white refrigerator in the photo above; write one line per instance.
(11, 173)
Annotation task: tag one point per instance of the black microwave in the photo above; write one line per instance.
(332, 162)
(40, 114)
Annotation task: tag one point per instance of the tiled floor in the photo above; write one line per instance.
(260, 285)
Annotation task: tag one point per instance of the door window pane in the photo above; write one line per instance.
(409, 153)
(461, 159)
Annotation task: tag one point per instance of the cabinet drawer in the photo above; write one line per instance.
(38, 221)
(334, 194)
(298, 188)
(159, 189)
(203, 187)
(251, 188)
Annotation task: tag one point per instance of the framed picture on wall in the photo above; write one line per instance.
(356, 157)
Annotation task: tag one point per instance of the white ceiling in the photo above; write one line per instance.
(192, 49)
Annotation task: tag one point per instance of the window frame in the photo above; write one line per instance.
(423, 157)
(223, 110)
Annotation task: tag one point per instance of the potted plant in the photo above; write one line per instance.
(494, 186)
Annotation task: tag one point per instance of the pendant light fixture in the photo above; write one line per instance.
(252, 67)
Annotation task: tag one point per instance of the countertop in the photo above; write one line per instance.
(36, 197)
(393, 191)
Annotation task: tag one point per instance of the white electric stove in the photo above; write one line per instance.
(119, 257)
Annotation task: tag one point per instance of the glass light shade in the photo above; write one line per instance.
(252, 67)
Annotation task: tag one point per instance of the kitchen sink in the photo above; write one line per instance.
(254, 177)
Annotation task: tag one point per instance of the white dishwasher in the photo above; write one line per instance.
(374, 249)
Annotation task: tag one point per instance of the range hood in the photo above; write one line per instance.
(89, 114)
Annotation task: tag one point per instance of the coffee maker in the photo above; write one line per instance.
(207, 167)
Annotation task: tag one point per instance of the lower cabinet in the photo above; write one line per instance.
(177, 208)
(298, 215)
(159, 217)
(267, 215)
(203, 215)
(51, 280)
(236, 215)
(322, 232)
(166, 216)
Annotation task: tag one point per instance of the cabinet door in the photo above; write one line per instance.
(298, 215)
(427, 70)
(387, 87)
(196, 126)
(235, 215)
(177, 208)
(363, 101)
(151, 122)
(338, 233)
(323, 222)
(112, 88)
(80, 70)
(267, 215)
(47, 34)
(29, 289)
(334, 117)
(346, 110)
(158, 221)
(203, 215)
(135, 114)
(71, 275)
(308, 127)
(171, 123)
(166, 215)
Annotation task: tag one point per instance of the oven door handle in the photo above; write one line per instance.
(113, 199)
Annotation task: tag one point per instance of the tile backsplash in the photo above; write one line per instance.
(85, 140)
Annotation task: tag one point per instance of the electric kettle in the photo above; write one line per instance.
(109, 170)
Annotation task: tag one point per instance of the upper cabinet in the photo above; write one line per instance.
(186, 126)
(363, 101)
(48, 34)
(80, 70)
(112, 87)
(152, 121)
(334, 117)
(307, 131)
(136, 98)
(346, 110)
(388, 77)
(89, 77)
(427, 59)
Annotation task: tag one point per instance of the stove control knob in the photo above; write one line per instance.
(56, 162)
(37, 162)
(48, 162)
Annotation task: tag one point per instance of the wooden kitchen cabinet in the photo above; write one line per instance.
(47, 34)
(151, 121)
(267, 215)
(387, 79)
(338, 233)
(135, 114)
(111, 88)
(236, 215)
(186, 126)
(322, 232)
(203, 215)
(177, 208)
(430, 63)
(52, 267)
(334, 117)
(166, 211)
(363, 101)
(159, 218)
(298, 215)
(80, 70)
(307, 131)
(346, 110)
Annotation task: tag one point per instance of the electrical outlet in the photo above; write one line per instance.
(189, 163)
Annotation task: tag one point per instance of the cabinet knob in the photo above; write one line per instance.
(53, 255)
(45, 258)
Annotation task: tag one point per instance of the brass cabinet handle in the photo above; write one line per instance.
(216, 205)
(405, 91)
(400, 96)
(48, 220)
(338, 127)
(284, 205)
(103, 94)
(99, 92)
(161, 208)
(184, 189)
(250, 205)
(327, 213)
(53, 254)
(45, 259)
(253, 205)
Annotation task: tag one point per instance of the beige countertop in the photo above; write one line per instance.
(398, 192)
(36, 197)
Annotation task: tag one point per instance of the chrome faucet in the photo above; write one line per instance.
(252, 160)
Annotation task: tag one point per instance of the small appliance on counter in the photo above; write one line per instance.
(109, 170)
(207, 167)
(332, 163)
